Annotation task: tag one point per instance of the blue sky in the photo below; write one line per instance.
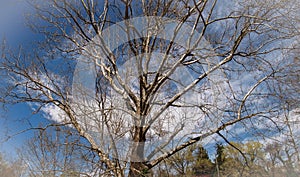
(16, 33)
(17, 118)
(12, 21)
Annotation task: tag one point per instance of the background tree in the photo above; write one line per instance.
(246, 161)
(220, 159)
(59, 151)
(213, 75)
(202, 163)
(193, 161)
(13, 168)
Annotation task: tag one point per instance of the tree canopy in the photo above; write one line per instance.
(140, 82)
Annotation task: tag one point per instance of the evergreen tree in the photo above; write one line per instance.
(203, 164)
(220, 159)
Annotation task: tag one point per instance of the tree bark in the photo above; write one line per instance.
(137, 165)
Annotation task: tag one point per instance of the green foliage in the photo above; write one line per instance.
(70, 174)
(202, 164)
(190, 162)
(220, 157)
(243, 159)
(250, 159)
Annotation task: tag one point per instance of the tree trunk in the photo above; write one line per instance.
(137, 166)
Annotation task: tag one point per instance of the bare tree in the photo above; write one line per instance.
(154, 77)
(11, 168)
(59, 151)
